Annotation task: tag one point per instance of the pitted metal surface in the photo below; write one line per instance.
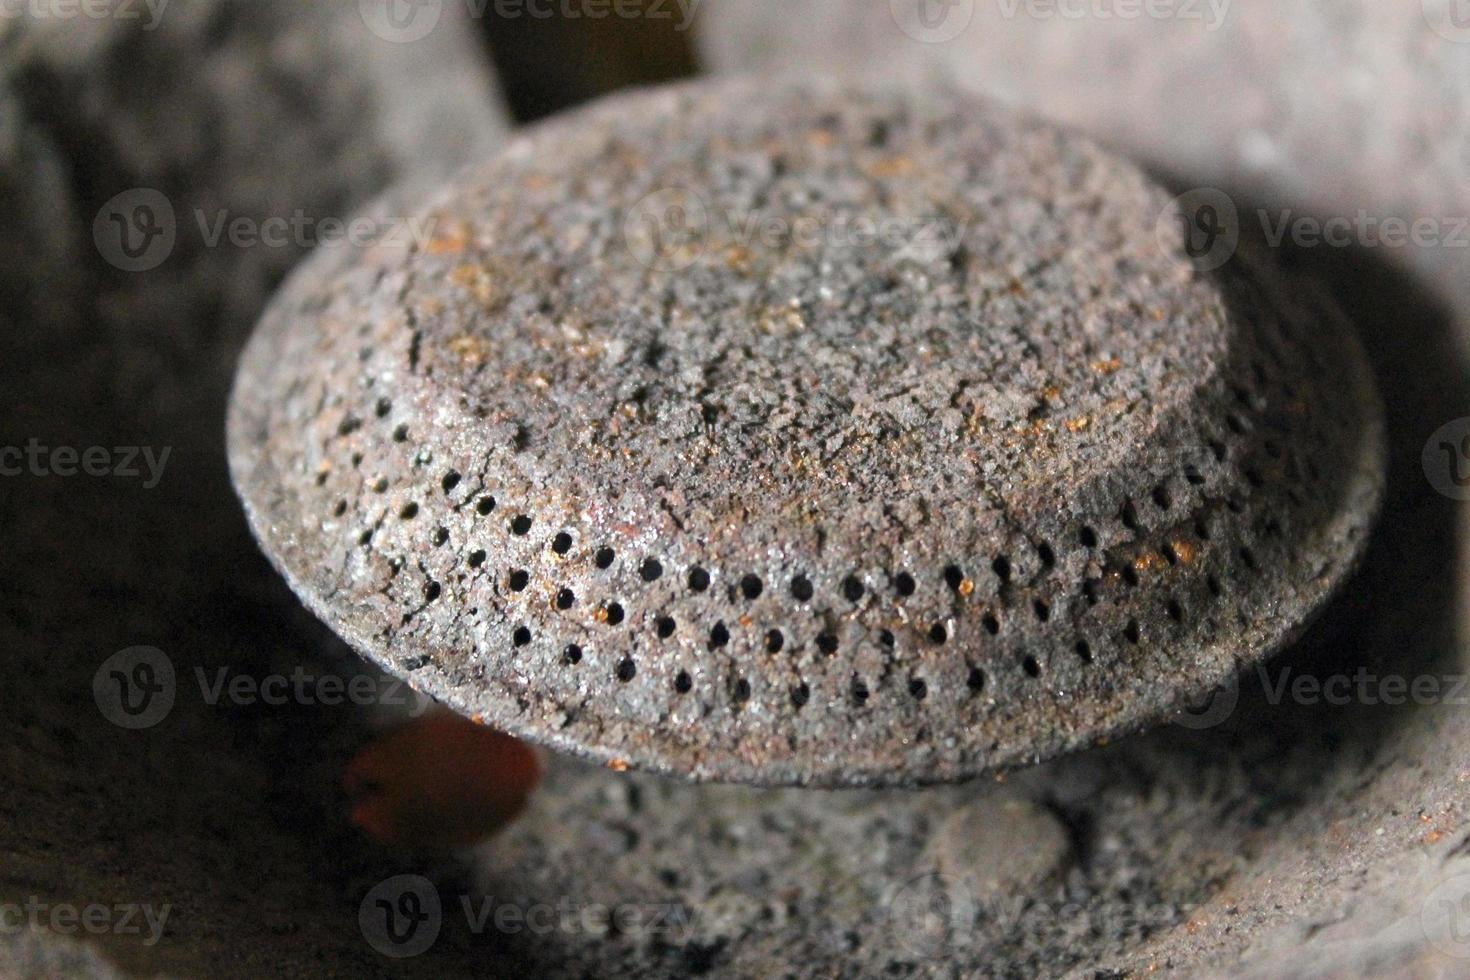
(806, 435)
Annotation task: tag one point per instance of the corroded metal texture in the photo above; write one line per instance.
(806, 435)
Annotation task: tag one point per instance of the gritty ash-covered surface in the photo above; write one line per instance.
(605, 467)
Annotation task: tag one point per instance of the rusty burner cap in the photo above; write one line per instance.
(804, 435)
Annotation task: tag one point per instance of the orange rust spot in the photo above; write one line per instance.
(1108, 367)
(617, 765)
(899, 166)
(439, 782)
(1150, 561)
(471, 350)
(1186, 550)
(967, 587)
(1080, 424)
(600, 615)
(452, 242)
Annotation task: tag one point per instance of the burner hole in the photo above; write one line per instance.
(954, 576)
(349, 425)
(1175, 610)
(409, 511)
(565, 599)
(604, 558)
(572, 655)
(1002, 568)
(1193, 476)
(1170, 555)
(750, 586)
(741, 691)
(859, 691)
(976, 681)
(1046, 554)
(1202, 529)
(801, 589)
(800, 695)
(938, 634)
(519, 579)
(650, 570)
(683, 683)
(698, 580)
(1162, 500)
(1084, 651)
(719, 636)
(1031, 666)
(441, 537)
(904, 584)
(1088, 537)
(485, 505)
(1130, 576)
(400, 434)
(450, 481)
(521, 637)
(991, 624)
(827, 643)
(613, 613)
(520, 526)
(1129, 516)
(477, 558)
(886, 638)
(365, 538)
(1042, 610)
(1217, 450)
(775, 641)
(918, 690)
(1249, 558)
(626, 671)
(665, 627)
(562, 543)
(1213, 584)
(852, 589)
(1132, 633)
(381, 486)
(340, 509)
(433, 591)
(384, 407)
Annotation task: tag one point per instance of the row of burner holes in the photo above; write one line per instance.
(801, 588)
(751, 586)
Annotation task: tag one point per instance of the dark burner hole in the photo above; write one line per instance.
(886, 638)
(698, 580)
(1213, 584)
(800, 695)
(477, 558)
(400, 434)
(1031, 666)
(365, 538)
(954, 576)
(827, 643)
(852, 589)
(1088, 537)
(1042, 610)
(520, 525)
(626, 671)
(562, 543)
(340, 509)
(650, 570)
(519, 579)
(1162, 500)
(905, 585)
(1170, 555)
(356, 460)
(441, 537)
(1193, 476)
(719, 636)
(433, 591)
(381, 486)
(1129, 516)
(1084, 651)
(1046, 554)
(604, 557)
(614, 613)
(349, 425)
(521, 637)
(450, 481)
(991, 624)
(1132, 633)
(565, 599)
(801, 589)
(1249, 558)
(665, 627)
(1002, 568)
(572, 654)
(938, 634)
(1130, 576)
(859, 691)
(976, 681)
(384, 407)
(683, 683)
(485, 505)
(918, 690)
(1175, 610)
(750, 586)
(775, 640)
(409, 511)
(741, 691)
